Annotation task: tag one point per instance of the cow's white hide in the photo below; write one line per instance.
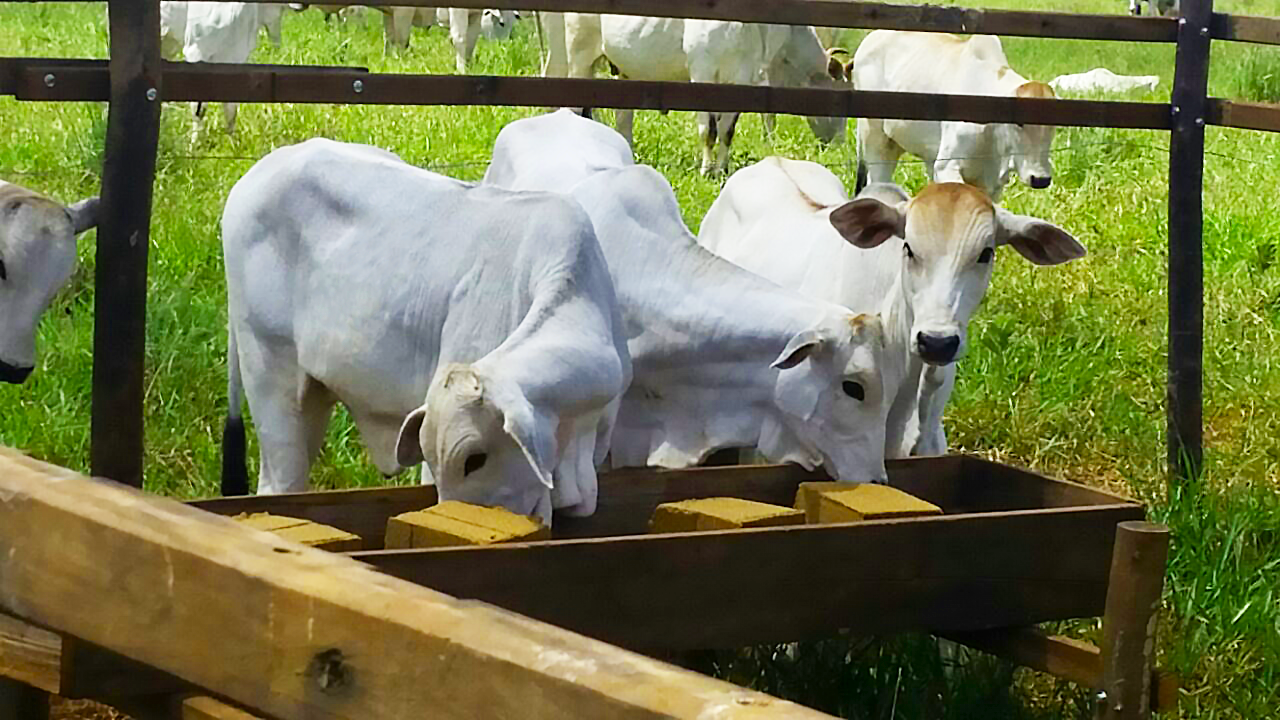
(722, 357)
(1102, 80)
(354, 277)
(982, 155)
(37, 257)
(923, 263)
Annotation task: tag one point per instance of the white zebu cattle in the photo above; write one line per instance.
(354, 277)
(398, 21)
(982, 155)
(467, 25)
(923, 263)
(1156, 8)
(37, 256)
(722, 357)
(676, 50)
(1102, 80)
(217, 32)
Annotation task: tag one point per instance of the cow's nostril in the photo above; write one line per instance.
(937, 349)
(1040, 183)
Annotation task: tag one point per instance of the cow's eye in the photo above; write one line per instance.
(4, 274)
(853, 390)
(907, 248)
(473, 463)
(986, 255)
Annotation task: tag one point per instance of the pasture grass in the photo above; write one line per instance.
(1065, 373)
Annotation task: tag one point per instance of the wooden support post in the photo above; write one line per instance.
(120, 300)
(1186, 262)
(1129, 625)
(22, 702)
(297, 632)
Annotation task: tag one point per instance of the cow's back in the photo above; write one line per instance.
(901, 61)
(554, 151)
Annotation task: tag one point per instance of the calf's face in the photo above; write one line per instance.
(483, 442)
(835, 387)
(1028, 146)
(37, 256)
(949, 234)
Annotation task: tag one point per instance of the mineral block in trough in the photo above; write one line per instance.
(721, 513)
(833, 502)
(456, 523)
(303, 531)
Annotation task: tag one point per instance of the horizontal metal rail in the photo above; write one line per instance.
(853, 14)
(32, 79)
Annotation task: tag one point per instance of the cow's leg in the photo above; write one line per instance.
(397, 23)
(707, 133)
(901, 428)
(285, 413)
(229, 110)
(878, 154)
(556, 61)
(625, 120)
(464, 31)
(935, 390)
(725, 126)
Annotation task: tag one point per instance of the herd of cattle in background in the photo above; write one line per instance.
(514, 335)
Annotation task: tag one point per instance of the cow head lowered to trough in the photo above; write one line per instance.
(949, 234)
(834, 390)
(37, 256)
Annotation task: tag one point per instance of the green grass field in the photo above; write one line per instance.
(1066, 372)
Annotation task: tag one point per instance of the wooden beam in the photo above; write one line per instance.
(1064, 657)
(194, 82)
(202, 707)
(120, 271)
(290, 631)
(1129, 623)
(853, 14)
(732, 588)
(1249, 116)
(1245, 28)
(1184, 406)
(30, 655)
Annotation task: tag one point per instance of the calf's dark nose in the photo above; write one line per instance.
(13, 374)
(1040, 183)
(937, 349)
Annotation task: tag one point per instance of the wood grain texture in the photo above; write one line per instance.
(202, 707)
(1246, 28)
(1067, 658)
(30, 655)
(290, 631)
(1129, 623)
(740, 587)
(1246, 115)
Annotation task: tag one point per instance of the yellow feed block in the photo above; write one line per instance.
(303, 531)
(833, 502)
(456, 523)
(721, 513)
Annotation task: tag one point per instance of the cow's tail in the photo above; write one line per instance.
(235, 476)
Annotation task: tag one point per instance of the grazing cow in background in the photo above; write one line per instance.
(982, 155)
(398, 22)
(1156, 8)
(467, 25)
(217, 32)
(722, 357)
(1102, 80)
(923, 263)
(676, 50)
(355, 277)
(37, 256)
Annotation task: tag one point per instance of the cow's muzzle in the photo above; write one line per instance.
(14, 374)
(937, 349)
(1040, 183)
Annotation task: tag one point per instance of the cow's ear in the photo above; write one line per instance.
(534, 431)
(409, 444)
(835, 68)
(1043, 243)
(84, 215)
(800, 347)
(867, 222)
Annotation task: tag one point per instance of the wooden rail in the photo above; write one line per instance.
(294, 632)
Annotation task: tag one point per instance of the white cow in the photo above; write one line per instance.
(1156, 8)
(923, 263)
(722, 357)
(982, 155)
(355, 277)
(1102, 80)
(398, 21)
(676, 50)
(217, 32)
(37, 256)
(467, 25)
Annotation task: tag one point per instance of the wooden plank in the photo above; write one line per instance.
(186, 82)
(1184, 406)
(627, 497)
(120, 271)
(740, 587)
(1129, 623)
(29, 654)
(297, 632)
(1245, 28)
(1064, 657)
(1249, 116)
(202, 707)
